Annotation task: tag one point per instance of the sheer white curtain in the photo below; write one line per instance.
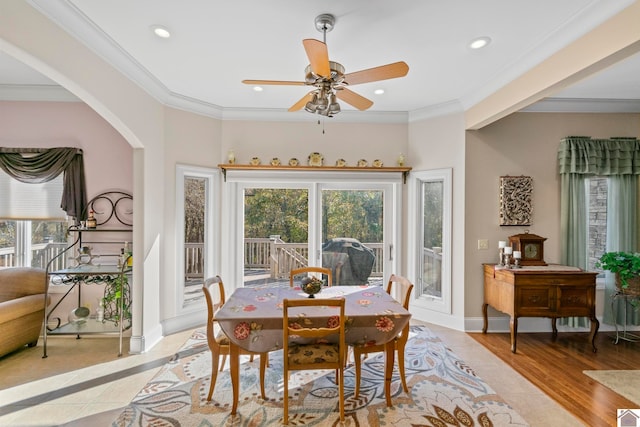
(622, 222)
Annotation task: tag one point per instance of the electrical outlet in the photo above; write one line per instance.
(483, 244)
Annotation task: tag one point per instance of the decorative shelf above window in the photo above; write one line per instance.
(404, 169)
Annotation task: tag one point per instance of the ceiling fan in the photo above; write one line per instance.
(329, 79)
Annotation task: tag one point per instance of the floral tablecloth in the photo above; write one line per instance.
(252, 317)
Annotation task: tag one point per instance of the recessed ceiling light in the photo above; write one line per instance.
(161, 31)
(378, 91)
(480, 42)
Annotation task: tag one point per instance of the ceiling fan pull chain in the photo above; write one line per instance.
(322, 125)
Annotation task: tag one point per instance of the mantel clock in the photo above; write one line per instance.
(531, 247)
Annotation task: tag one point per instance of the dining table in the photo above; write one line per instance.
(252, 319)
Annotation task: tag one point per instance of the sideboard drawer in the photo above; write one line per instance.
(575, 300)
(535, 300)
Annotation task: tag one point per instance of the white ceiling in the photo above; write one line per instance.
(216, 44)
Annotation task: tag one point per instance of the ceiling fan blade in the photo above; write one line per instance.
(303, 101)
(273, 82)
(383, 72)
(350, 97)
(318, 56)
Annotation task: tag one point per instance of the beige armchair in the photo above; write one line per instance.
(22, 305)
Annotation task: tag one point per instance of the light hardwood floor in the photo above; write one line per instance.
(556, 367)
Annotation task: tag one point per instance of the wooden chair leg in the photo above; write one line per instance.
(224, 360)
(341, 393)
(285, 402)
(357, 361)
(263, 366)
(215, 359)
(403, 377)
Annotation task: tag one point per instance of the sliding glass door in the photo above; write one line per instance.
(352, 228)
(285, 223)
(276, 233)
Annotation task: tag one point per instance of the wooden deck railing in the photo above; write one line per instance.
(194, 261)
(431, 281)
(41, 254)
(270, 254)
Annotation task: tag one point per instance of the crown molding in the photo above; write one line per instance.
(68, 17)
(255, 114)
(580, 105)
(52, 93)
(446, 108)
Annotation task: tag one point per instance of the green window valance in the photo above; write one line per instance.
(613, 156)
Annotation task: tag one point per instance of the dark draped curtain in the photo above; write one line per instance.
(581, 157)
(35, 166)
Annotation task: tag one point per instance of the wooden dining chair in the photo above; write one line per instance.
(319, 353)
(306, 270)
(403, 287)
(219, 344)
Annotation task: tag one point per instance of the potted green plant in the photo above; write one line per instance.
(626, 266)
(117, 288)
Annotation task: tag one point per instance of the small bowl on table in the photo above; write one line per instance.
(311, 286)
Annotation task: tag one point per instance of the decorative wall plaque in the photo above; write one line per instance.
(515, 200)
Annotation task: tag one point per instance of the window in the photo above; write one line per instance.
(33, 226)
(195, 219)
(430, 225)
(588, 223)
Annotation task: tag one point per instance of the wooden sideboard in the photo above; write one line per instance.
(540, 291)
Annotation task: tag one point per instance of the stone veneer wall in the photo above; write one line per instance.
(597, 220)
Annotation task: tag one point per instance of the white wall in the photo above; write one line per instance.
(437, 143)
(349, 141)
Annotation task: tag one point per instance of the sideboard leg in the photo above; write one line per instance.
(513, 326)
(595, 325)
(554, 328)
(484, 316)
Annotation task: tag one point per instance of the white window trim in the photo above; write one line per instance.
(415, 205)
(233, 213)
(212, 221)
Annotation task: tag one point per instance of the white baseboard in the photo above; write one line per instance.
(141, 343)
(184, 322)
(531, 324)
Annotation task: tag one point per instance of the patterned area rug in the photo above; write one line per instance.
(443, 391)
(625, 383)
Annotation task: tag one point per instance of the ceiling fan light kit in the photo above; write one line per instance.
(329, 79)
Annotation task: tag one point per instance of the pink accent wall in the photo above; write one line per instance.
(108, 158)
